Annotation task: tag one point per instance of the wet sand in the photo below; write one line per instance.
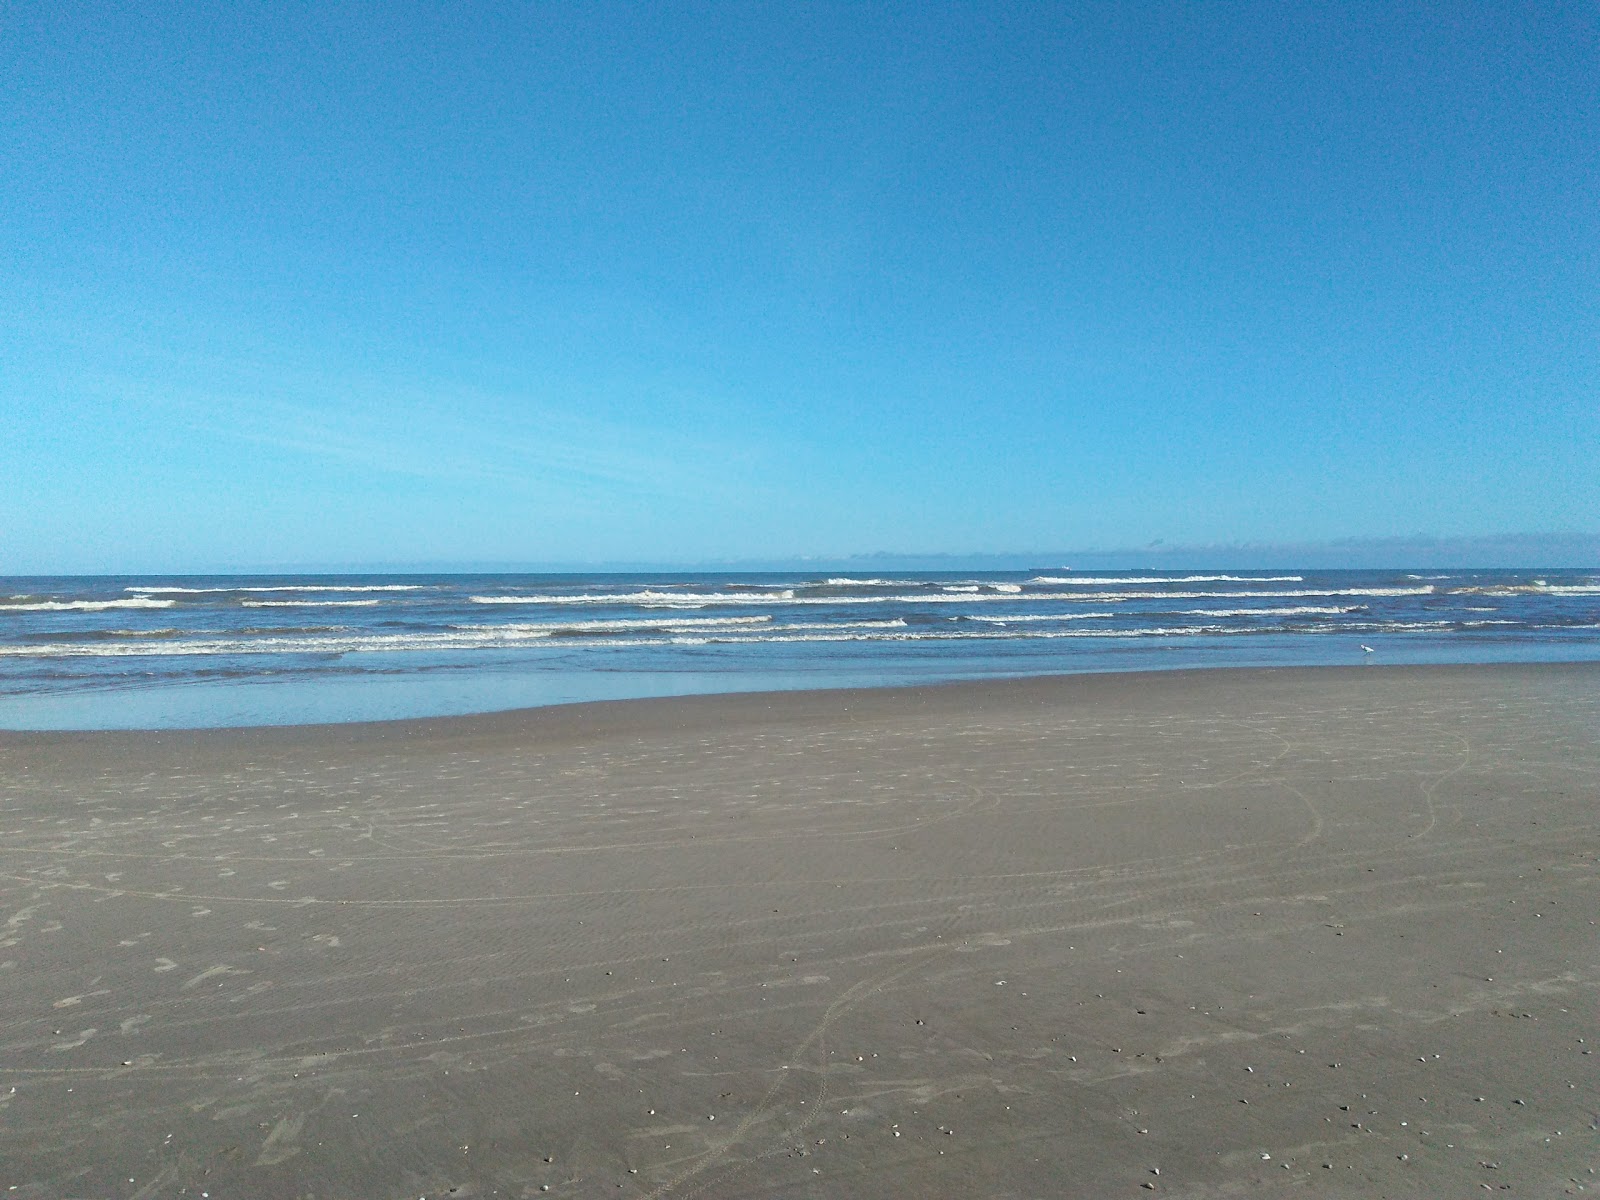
(1190, 934)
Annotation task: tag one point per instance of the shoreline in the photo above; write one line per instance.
(1252, 929)
(269, 650)
(741, 699)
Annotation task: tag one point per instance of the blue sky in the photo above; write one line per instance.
(397, 283)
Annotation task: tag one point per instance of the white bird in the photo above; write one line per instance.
(1368, 648)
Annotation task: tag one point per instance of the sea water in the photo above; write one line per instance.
(147, 652)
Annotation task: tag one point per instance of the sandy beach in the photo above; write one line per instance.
(1325, 931)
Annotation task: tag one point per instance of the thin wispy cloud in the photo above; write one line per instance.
(504, 443)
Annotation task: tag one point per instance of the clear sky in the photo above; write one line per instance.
(398, 283)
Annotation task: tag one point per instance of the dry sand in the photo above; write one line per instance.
(1268, 932)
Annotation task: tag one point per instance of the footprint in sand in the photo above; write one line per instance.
(280, 1143)
(83, 1036)
(74, 1001)
(165, 964)
(212, 973)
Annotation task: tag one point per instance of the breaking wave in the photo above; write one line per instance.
(1099, 580)
(81, 605)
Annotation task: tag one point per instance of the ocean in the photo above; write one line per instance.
(170, 652)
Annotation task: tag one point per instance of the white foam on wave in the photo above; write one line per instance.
(1104, 580)
(657, 599)
(847, 581)
(893, 598)
(665, 624)
(831, 631)
(1386, 627)
(1537, 588)
(308, 603)
(210, 647)
(326, 644)
(621, 625)
(660, 599)
(510, 637)
(1288, 593)
(947, 635)
(895, 623)
(84, 605)
(1300, 610)
(1027, 617)
(461, 637)
(970, 635)
(286, 587)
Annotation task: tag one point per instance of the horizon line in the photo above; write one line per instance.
(1530, 551)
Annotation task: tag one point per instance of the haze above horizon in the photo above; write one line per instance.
(626, 283)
